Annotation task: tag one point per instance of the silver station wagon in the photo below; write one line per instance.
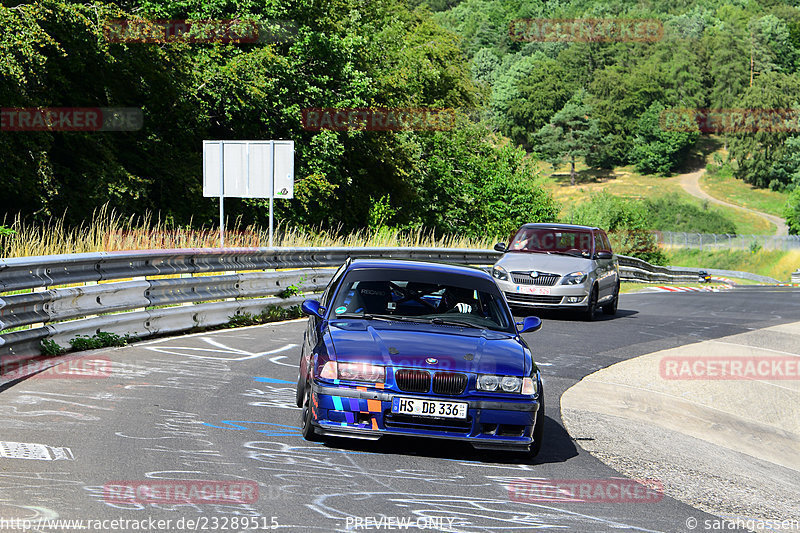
(559, 266)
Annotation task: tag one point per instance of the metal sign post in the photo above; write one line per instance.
(221, 195)
(248, 169)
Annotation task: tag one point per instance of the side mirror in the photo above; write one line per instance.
(312, 307)
(530, 324)
(604, 255)
(500, 247)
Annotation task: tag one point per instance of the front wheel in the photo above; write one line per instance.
(538, 430)
(308, 428)
(300, 392)
(611, 307)
(591, 308)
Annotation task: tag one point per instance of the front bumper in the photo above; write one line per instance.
(366, 414)
(556, 297)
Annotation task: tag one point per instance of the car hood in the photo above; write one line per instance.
(416, 345)
(541, 262)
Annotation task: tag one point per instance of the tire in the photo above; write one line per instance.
(611, 308)
(308, 428)
(591, 308)
(538, 430)
(300, 393)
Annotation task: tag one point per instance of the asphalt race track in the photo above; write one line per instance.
(220, 407)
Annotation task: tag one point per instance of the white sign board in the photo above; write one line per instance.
(284, 169)
(248, 169)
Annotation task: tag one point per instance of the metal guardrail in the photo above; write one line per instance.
(150, 304)
(127, 293)
(717, 241)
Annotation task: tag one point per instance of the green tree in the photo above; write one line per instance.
(477, 184)
(728, 67)
(571, 134)
(792, 212)
(528, 96)
(618, 98)
(657, 148)
(758, 146)
(785, 171)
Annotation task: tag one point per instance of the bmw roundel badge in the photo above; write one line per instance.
(431, 360)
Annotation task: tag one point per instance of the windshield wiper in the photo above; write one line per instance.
(449, 322)
(390, 318)
(571, 254)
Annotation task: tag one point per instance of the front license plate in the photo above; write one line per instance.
(544, 291)
(431, 408)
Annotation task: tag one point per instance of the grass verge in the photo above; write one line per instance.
(723, 186)
(108, 232)
(776, 264)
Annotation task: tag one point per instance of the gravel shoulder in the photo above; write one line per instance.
(732, 446)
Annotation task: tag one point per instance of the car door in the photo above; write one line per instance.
(606, 279)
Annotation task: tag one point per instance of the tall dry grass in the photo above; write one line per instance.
(108, 231)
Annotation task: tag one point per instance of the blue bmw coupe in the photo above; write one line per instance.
(419, 349)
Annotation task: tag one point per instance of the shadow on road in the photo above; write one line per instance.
(570, 316)
(557, 447)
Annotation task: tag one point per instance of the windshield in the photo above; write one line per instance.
(421, 297)
(575, 242)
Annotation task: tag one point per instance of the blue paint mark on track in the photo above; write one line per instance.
(273, 430)
(272, 380)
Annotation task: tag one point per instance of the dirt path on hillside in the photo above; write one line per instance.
(691, 184)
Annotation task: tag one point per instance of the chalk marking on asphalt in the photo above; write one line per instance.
(220, 348)
(228, 331)
(275, 360)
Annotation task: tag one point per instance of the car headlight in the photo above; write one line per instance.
(362, 372)
(329, 370)
(492, 383)
(576, 278)
(500, 273)
(530, 386)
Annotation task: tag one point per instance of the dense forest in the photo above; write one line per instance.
(518, 100)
